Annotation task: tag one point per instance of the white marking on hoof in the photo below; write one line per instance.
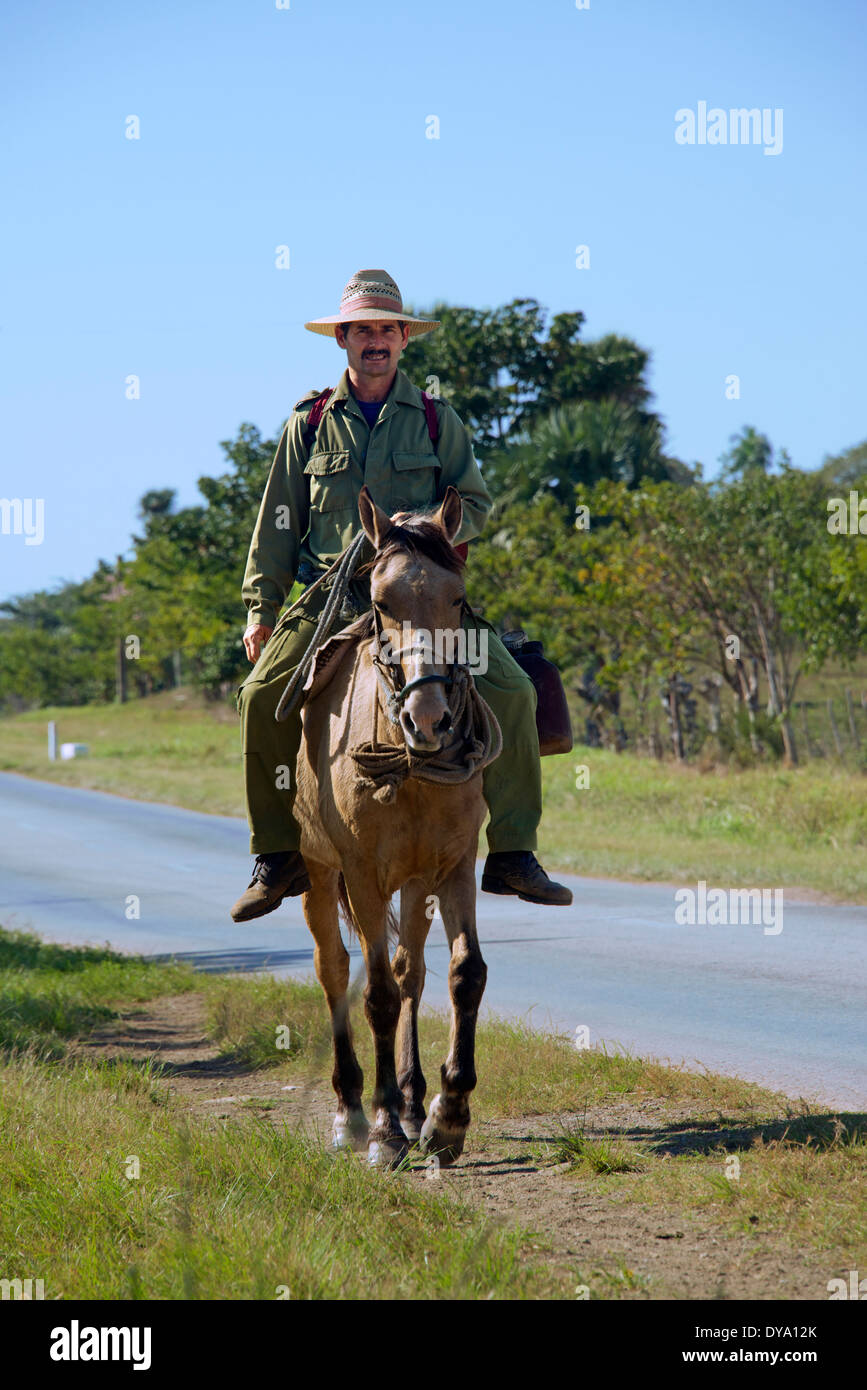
(386, 1153)
(349, 1132)
(437, 1137)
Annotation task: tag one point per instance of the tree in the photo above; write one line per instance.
(756, 563)
(597, 597)
(668, 578)
(751, 452)
(503, 369)
(847, 470)
(185, 580)
(157, 502)
(577, 445)
(606, 368)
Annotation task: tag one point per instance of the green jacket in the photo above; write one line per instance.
(309, 511)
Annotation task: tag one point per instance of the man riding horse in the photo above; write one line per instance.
(374, 428)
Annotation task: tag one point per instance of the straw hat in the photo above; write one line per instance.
(370, 294)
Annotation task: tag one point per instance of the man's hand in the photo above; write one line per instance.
(255, 638)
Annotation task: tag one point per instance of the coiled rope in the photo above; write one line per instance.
(479, 741)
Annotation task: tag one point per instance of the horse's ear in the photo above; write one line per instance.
(375, 521)
(451, 513)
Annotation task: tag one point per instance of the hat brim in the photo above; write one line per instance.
(327, 325)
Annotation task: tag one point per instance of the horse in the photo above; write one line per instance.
(398, 811)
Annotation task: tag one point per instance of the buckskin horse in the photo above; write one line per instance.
(390, 798)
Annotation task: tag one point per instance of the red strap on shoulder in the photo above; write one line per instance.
(430, 412)
(433, 429)
(316, 411)
(316, 415)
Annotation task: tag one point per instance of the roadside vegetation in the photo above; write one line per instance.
(525, 1071)
(237, 1209)
(635, 818)
(51, 993)
(117, 1186)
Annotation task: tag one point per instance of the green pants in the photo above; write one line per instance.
(512, 783)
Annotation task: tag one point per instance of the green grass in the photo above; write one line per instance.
(226, 1210)
(245, 1208)
(808, 1190)
(521, 1071)
(219, 1210)
(245, 1021)
(804, 828)
(587, 1155)
(804, 1175)
(800, 1176)
(760, 827)
(174, 747)
(50, 993)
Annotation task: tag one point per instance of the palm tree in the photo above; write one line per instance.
(579, 444)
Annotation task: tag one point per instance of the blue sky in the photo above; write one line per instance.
(306, 127)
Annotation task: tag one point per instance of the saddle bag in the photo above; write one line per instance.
(553, 724)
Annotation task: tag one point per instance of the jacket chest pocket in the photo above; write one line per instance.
(331, 481)
(414, 483)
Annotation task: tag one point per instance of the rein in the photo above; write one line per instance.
(342, 570)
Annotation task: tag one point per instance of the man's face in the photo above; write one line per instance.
(374, 347)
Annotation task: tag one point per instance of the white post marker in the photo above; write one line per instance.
(73, 750)
(52, 741)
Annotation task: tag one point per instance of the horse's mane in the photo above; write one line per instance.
(420, 535)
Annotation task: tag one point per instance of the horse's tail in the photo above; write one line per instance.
(345, 906)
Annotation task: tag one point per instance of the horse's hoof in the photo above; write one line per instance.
(411, 1126)
(446, 1146)
(442, 1141)
(350, 1132)
(388, 1152)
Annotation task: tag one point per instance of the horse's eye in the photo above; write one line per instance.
(457, 603)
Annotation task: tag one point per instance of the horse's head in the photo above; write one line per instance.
(417, 592)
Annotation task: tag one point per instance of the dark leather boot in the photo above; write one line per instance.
(275, 877)
(519, 872)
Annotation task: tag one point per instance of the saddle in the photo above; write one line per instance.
(330, 656)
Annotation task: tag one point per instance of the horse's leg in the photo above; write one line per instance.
(388, 1143)
(331, 960)
(408, 967)
(446, 1125)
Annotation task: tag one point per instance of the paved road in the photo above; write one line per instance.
(788, 1010)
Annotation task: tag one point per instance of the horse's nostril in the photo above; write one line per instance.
(445, 724)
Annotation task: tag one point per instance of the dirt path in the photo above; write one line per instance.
(618, 1249)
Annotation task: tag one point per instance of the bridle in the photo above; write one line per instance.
(476, 738)
(390, 673)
